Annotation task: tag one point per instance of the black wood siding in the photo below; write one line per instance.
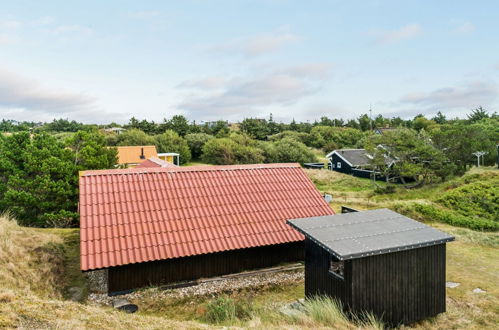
(319, 281)
(399, 287)
(133, 276)
(345, 168)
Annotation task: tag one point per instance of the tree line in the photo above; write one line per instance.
(40, 161)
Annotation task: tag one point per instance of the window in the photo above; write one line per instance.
(337, 268)
(338, 165)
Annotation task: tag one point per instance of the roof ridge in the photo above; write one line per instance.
(198, 168)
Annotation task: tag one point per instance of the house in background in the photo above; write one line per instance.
(376, 261)
(131, 156)
(170, 157)
(356, 162)
(155, 162)
(115, 130)
(151, 226)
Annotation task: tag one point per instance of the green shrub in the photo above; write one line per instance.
(196, 142)
(446, 216)
(475, 199)
(170, 141)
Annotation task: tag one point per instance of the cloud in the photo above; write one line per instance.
(249, 96)
(72, 30)
(465, 96)
(205, 83)
(10, 24)
(309, 70)
(406, 32)
(466, 28)
(21, 94)
(259, 44)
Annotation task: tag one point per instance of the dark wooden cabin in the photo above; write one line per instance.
(355, 162)
(154, 225)
(376, 261)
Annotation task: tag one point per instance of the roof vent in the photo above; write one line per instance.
(142, 153)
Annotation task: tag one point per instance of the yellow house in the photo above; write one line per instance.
(170, 157)
(131, 156)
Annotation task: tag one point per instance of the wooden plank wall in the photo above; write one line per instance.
(401, 287)
(319, 281)
(128, 277)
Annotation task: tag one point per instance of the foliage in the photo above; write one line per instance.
(477, 114)
(134, 137)
(63, 125)
(15, 126)
(460, 140)
(478, 199)
(90, 151)
(177, 123)
(412, 153)
(39, 180)
(170, 141)
(287, 150)
(225, 151)
(452, 218)
(341, 137)
(298, 136)
(196, 142)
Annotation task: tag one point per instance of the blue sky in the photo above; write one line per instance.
(102, 61)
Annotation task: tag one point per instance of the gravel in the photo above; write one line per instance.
(225, 285)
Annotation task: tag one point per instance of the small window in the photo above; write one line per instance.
(337, 268)
(338, 165)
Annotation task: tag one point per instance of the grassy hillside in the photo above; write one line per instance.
(470, 201)
(32, 282)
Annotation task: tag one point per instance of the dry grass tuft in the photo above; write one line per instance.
(26, 263)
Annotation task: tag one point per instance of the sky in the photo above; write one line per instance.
(103, 61)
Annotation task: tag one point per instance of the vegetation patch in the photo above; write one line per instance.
(475, 200)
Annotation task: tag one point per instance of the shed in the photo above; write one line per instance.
(377, 261)
(152, 226)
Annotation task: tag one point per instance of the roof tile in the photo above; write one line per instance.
(144, 214)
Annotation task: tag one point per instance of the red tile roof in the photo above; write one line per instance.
(144, 214)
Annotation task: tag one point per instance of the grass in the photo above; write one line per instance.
(32, 281)
(477, 190)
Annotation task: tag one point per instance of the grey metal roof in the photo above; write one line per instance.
(366, 233)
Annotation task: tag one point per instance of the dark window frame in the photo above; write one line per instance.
(337, 268)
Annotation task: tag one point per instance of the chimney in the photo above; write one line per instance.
(142, 153)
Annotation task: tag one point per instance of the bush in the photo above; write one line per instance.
(170, 141)
(478, 199)
(288, 150)
(225, 151)
(40, 180)
(446, 216)
(196, 142)
(134, 137)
